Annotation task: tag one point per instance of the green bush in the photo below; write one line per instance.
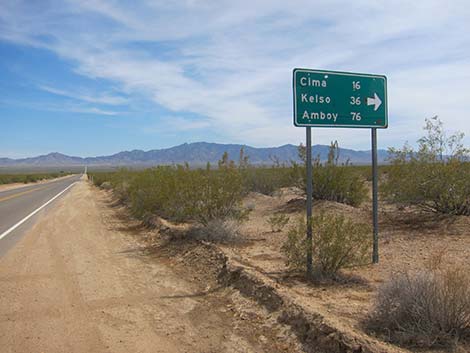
(436, 177)
(426, 309)
(332, 181)
(337, 243)
(217, 194)
(278, 222)
(266, 180)
(119, 181)
(179, 193)
(28, 178)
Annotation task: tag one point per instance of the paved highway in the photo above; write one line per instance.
(18, 206)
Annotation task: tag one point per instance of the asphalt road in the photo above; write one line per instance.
(16, 204)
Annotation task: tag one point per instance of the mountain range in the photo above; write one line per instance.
(196, 154)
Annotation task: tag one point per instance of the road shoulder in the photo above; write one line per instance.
(80, 282)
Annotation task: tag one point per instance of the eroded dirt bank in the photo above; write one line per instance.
(78, 282)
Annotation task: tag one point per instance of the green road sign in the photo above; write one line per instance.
(339, 99)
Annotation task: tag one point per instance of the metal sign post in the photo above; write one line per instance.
(375, 208)
(340, 99)
(309, 201)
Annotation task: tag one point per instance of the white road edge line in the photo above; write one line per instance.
(11, 229)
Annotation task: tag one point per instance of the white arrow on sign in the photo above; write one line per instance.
(376, 102)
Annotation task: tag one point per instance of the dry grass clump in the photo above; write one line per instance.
(217, 231)
(106, 185)
(430, 308)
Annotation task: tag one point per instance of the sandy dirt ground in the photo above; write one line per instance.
(409, 239)
(79, 282)
(5, 187)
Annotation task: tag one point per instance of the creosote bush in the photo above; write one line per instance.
(331, 180)
(434, 178)
(263, 179)
(338, 243)
(277, 222)
(430, 308)
(179, 193)
(28, 178)
(267, 180)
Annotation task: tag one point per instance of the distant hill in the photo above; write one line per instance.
(196, 154)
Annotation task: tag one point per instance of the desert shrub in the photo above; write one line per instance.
(156, 191)
(119, 181)
(180, 193)
(266, 180)
(338, 243)
(217, 194)
(429, 308)
(277, 222)
(99, 178)
(436, 177)
(28, 178)
(331, 180)
(217, 231)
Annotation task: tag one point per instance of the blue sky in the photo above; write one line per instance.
(96, 77)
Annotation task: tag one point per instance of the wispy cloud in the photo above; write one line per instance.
(230, 62)
(86, 110)
(97, 98)
(176, 124)
(62, 107)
